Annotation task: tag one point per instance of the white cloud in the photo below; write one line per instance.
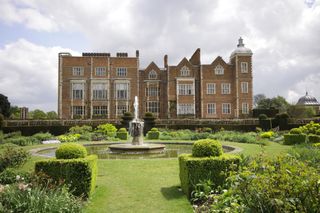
(29, 74)
(284, 35)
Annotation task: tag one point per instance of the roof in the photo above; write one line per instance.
(241, 49)
(308, 100)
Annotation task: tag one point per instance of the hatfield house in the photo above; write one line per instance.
(98, 85)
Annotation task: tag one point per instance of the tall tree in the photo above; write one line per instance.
(52, 115)
(257, 98)
(38, 114)
(4, 106)
(278, 102)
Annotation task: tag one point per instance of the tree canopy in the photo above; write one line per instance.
(4, 106)
(278, 102)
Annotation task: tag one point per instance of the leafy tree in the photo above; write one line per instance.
(4, 106)
(301, 111)
(257, 98)
(52, 115)
(38, 114)
(278, 102)
(14, 112)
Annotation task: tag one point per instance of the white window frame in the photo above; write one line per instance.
(211, 88)
(100, 71)
(185, 109)
(226, 108)
(152, 91)
(244, 87)
(122, 71)
(219, 70)
(121, 109)
(78, 110)
(153, 75)
(211, 108)
(225, 88)
(244, 67)
(77, 91)
(99, 91)
(122, 91)
(153, 106)
(184, 71)
(99, 110)
(77, 71)
(186, 89)
(245, 108)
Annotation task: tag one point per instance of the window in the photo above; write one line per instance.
(226, 108)
(121, 71)
(211, 108)
(225, 88)
(211, 88)
(77, 71)
(185, 89)
(244, 67)
(184, 71)
(219, 70)
(244, 87)
(99, 91)
(245, 108)
(153, 91)
(100, 71)
(152, 74)
(185, 109)
(122, 91)
(78, 110)
(153, 106)
(77, 91)
(121, 109)
(100, 110)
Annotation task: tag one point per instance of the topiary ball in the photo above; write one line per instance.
(296, 131)
(70, 151)
(207, 148)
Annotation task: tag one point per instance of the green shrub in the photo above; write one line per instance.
(318, 132)
(98, 136)
(28, 198)
(296, 131)
(80, 174)
(206, 148)
(8, 145)
(263, 117)
(69, 138)
(70, 151)
(268, 134)
(11, 175)
(148, 115)
(12, 157)
(207, 129)
(122, 134)
(108, 129)
(42, 136)
(310, 128)
(80, 129)
(290, 139)
(316, 145)
(283, 184)
(153, 134)
(22, 140)
(12, 135)
(195, 169)
(307, 154)
(314, 138)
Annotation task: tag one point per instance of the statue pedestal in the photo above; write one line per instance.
(136, 131)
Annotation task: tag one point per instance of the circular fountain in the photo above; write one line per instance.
(136, 131)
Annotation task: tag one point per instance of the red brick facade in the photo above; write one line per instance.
(97, 85)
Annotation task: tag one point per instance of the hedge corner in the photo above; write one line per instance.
(194, 169)
(80, 173)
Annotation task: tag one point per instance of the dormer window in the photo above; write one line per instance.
(185, 71)
(219, 70)
(153, 74)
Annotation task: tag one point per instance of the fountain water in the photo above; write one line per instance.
(136, 131)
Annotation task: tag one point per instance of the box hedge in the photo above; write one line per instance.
(153, 134)
(290, 139)
(314, 138)
(122, 134)
(195, 169)
(80, 174)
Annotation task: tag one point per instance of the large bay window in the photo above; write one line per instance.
(153, 91)
(122, 91)
(100, 110)
(153, 106)
(185, 89)
(78, 110)
(185, 109)
(77, 91)
(99, 91)
(121, 109)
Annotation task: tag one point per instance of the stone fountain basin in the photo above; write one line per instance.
(134, 149)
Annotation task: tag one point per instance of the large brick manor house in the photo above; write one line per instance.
(98, 85)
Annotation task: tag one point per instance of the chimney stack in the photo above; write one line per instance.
(137, 53)
(165, 60)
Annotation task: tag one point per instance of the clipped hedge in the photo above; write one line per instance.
(207, 148)
(195, 169)
(70, 151)
(153, 134)
(290, 139)
(314, 138)
(80, 174)
(122, 134)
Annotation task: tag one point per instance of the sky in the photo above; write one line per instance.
(284, 36)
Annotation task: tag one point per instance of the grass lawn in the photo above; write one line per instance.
(149, 185)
